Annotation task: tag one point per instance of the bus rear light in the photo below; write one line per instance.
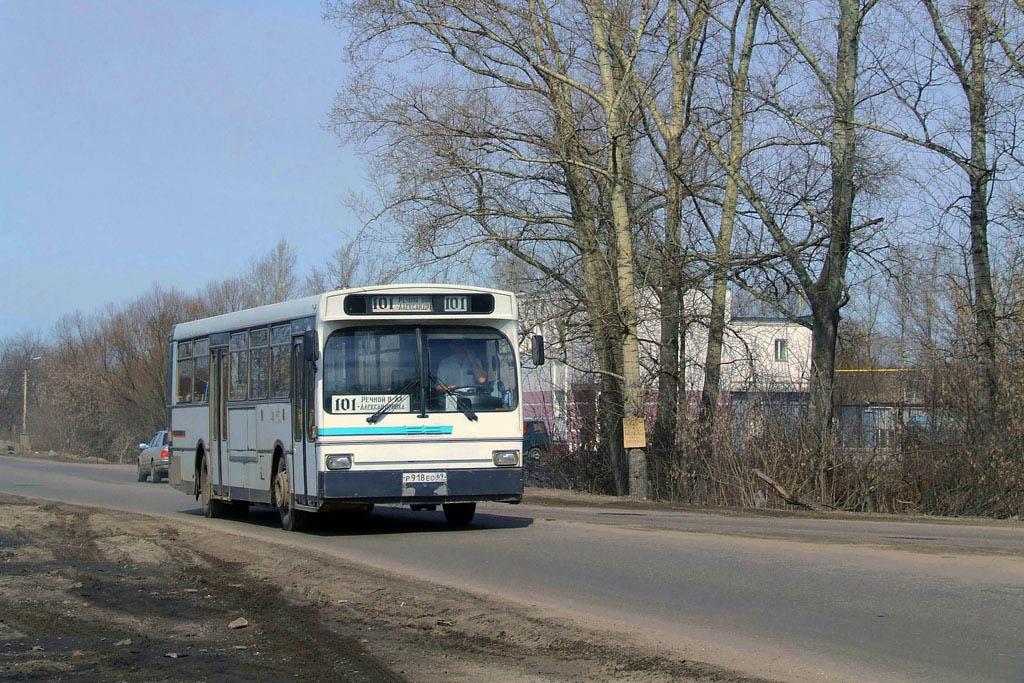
(163, 453)
(505, 458)
(339, 462)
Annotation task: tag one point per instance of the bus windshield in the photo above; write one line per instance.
(366, 368)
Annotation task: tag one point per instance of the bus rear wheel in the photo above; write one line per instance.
(212, 508)
(459, 513)
(291, 519)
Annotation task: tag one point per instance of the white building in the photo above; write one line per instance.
(762, 358)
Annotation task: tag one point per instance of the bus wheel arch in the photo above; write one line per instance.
(212, 507)
(197, 468)
(274, 463)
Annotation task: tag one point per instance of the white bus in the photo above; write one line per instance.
(400, 394)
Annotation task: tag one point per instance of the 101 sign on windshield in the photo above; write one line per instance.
(414, 303)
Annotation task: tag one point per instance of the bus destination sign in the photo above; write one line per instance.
(401, 303)
(411, 304)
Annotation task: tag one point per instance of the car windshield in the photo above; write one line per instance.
(366, 368)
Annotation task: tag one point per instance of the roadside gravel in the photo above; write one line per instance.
(91, 594)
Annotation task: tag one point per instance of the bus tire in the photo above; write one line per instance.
(212, 508)
(142, 475)
(291, 518)
(459, 513)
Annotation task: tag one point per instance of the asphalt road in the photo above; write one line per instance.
(787, 598)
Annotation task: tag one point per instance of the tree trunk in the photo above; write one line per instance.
(824, 333)
(609, 416)
(666, 421)
(984, 299)
(723, 244)
(827, 296)
(683, 47)
(618, 173)
(600, 300)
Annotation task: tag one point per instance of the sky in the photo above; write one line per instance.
(161, 141)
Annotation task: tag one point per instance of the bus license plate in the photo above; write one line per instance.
(424, 478)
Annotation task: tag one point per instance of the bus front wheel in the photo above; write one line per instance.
(459, 513)
(291, 519)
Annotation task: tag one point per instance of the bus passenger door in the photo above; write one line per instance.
(300, 423)
(218, 416)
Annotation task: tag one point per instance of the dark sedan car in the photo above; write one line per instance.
(535, 439)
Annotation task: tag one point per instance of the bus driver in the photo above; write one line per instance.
(460, 368)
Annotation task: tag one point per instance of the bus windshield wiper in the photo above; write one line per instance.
(460, 402)
(393, 401)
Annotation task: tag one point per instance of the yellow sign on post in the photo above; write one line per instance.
(634, 435)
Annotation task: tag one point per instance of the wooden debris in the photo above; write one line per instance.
(789, 497)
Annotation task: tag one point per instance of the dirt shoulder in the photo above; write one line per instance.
(91, 594)
(61, 456)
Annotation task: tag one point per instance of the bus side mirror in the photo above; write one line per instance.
(310, 347)
(538, 350)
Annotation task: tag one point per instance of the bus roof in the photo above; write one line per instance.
(312, 305)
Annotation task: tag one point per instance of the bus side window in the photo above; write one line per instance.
(280, 366)
(201, 391)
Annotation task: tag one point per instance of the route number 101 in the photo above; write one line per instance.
(456, 304)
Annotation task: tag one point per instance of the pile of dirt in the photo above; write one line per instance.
(89, 595)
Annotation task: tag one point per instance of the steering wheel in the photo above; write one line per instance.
(469, 389)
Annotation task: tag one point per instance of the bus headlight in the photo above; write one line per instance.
(505, 458)
(339, 462)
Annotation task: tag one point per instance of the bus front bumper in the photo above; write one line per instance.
(461, 485)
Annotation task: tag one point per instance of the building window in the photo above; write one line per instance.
(781, 350)
(559, 403)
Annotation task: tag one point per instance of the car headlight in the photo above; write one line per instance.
(339, 462)
(505, 458)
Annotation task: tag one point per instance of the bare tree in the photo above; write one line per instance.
(16, 363)
(740, 54)
(940, 83)
(675, 39)
(272, 276)
(107, 373)
(519, 138)
(227, 296)
(829, 251)
(339, 272)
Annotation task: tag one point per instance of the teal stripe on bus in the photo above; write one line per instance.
(386, 431)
